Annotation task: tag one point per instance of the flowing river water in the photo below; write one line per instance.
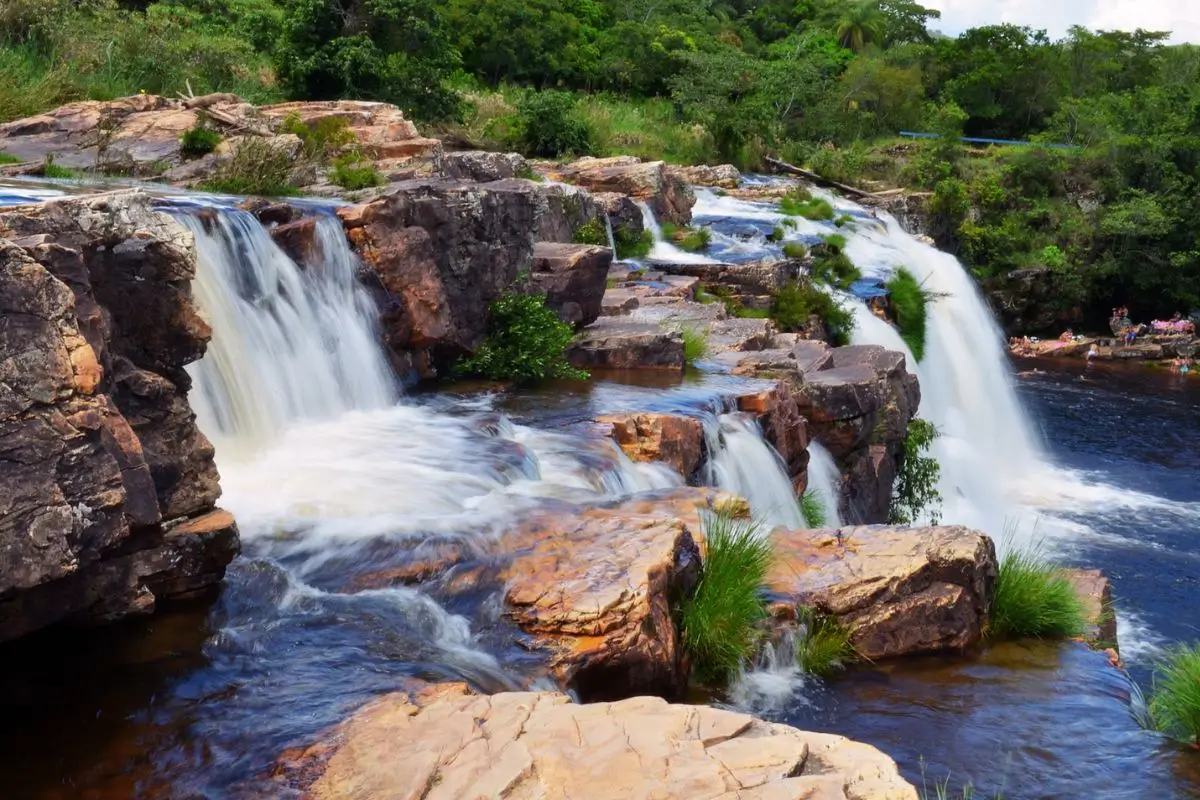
(330, 470)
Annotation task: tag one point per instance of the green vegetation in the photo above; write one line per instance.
(592, 232)
(693, 240)
(8, 158)
(256, 167)
(52, 170)
(815, 208)
(1174, 706)
(794, 250)
(322, 140)
(812, 507)
(777, 234)
(823, 645)
(1033, 599)
(526, 341)
(695, 344)
(795, 303)
(720, 620)
(916, 491)
(351, 171)
(910, 303)
(199, 140)
(632, 245)
(550, 126)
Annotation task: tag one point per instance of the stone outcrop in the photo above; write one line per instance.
(442, 251)
(573, 277)
(1099, 613)
(724, 176)
(444, 743)
(783, 427)
(673, 439)
(1024, 302)
(107, 500)
(483, 167)
(669, 197)
(613, 343)
(562, 211)
(901, 591)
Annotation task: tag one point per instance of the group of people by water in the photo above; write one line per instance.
(1127, 334)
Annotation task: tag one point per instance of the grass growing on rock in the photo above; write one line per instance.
(257, 167)
(812, 508)
(694, 240)
(695, 344)
(591, 232)
(351, 171)
(52, 170)
(8, 158)
(1033, 599)
(720, 620)
(795, 303)
(199, 140)
(526, 342)
(910, 303)
(632, 245)
(824, 643)
(794, 250)
(1174, 707)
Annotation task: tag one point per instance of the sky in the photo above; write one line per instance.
(1182, 17)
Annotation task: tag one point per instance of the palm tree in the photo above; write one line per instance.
(861, 25)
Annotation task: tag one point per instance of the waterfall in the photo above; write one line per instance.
(743, 463)
(825, 479)
(663, 251)
(772, 682)
(608, 231)
(289, 344)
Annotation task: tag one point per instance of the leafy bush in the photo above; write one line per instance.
(815, 208)
(777, 234)
(551, 127)
(323, 139)
(632, 245)
(910, 303)
(833, 267)
(794, 250)
(795, 303)
(199, 140)
(351, 171)
(843, 220)
(592, 232)
(720, 619)
(824, 643)
(812, 508)
(526, 341)
(916, 487)
(695, 344)
(1174, 707)
(1033, 598)
(256, 167)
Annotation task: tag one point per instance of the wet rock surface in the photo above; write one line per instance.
(110, 488)
(675, 440)
(901, 591)
(613, 343)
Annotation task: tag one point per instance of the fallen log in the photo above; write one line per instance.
(808, 175)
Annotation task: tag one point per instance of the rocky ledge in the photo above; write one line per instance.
(109, 490)
(442, 741)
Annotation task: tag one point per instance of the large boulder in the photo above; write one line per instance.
(484, 166)
(562, 211)
(573, 277)
(724, 176)
(669, 197)
(900, 591)
(612, 343)
(445, 743)
(673, 439)
(441, 252)
(110, 488)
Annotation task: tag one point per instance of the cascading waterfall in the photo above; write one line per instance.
(663, 251)
(825, 479)
(742, 462)
(608, 232)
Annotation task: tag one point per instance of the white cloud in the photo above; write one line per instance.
(1181, 17)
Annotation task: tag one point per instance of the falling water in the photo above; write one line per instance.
(744, 464)
(608, 231)
(663, 251)
(825, 479)
(771, 683)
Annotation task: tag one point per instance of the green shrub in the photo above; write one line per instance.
(199, 140)
(778, 234)
(52, 170)
(910, 303)
(670, 231)
(719, 621)
(322, 139)
(8, 158)
(551, 127)
(1174, 707)
(526, 341)
(695, 344)
(256, 167)
(632, 245)
(824, 643)
(351, 171)
(916, 486)
(1033, 598)
(592, 232)
(833, 243)
(696, 240)
(834, 269)
(815, 208)
(795, 303)
(812, 508)
(843, 220)
(794, 250)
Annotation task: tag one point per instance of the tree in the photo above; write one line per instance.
(863, 24)
(906, 22)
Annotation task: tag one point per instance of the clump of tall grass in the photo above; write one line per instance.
(812, 508)
(824, 643)
(256, 167)
(8, 158)
(910, 303)
(199, 140)
(794, 250)
(1174, 707)
(720, 620)
(52, 170)
(695, 344)
(1033, 598)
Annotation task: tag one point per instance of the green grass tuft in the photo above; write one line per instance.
(794, 250)
(256, 167)
(1174, 706)
(778, 234)
(8, 158)
(52, 170)
(795, 303)
(696, 240)
(1033, 599)
(592, 232)
(843, 220)
(720, 620)
(695, 345)
(632, 245)
(199, 140)
(824, 643)
(910, 303)
(816, 208)
(350, 171)
(812, 507)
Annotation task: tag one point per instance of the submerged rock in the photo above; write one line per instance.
(901, 591)
(444, 743)
(109, 487)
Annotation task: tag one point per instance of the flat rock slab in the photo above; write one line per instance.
(611, 343)
(900, 590)
(447, 744)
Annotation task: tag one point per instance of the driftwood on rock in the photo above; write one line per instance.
(809, 175)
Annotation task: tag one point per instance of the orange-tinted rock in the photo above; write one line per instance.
(667, 195)
(449, 744)
(573, 277)
(725, 176)
(1095, 593)
(783, 427)
(900, 590)
(298, 239)
(675, 440)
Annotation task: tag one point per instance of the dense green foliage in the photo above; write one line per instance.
(52, 170)
(526, 341)
(1033, 599)
(795, 303)
(352, 171)
(198, 140)
(257, 167)
(720, 619)
(916, 491)
(812, 508)
(823, 645)
(1174, 705)
(909, 304)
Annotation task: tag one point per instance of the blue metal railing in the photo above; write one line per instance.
(975, 140)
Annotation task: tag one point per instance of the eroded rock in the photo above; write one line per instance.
(669, 197)
(573, 277)
(724, 176)
(484, 166)
(673, 439)
(612, 343)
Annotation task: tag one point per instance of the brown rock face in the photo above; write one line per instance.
(442, 251)
(573, 277)
(102, 452)
(725, 176)
(667, 195)
(446, 744)
(675, 440)
(900, 590)
(783, 427)
(611, 343)
(1095, 592)
(482, 166)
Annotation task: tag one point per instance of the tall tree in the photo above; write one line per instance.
(862, 24)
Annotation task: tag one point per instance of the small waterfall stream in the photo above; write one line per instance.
(746, 465)
(825, 479)
(663, 251)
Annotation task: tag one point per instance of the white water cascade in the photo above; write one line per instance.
(663, 251)
(744, 464)
(825, 479)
